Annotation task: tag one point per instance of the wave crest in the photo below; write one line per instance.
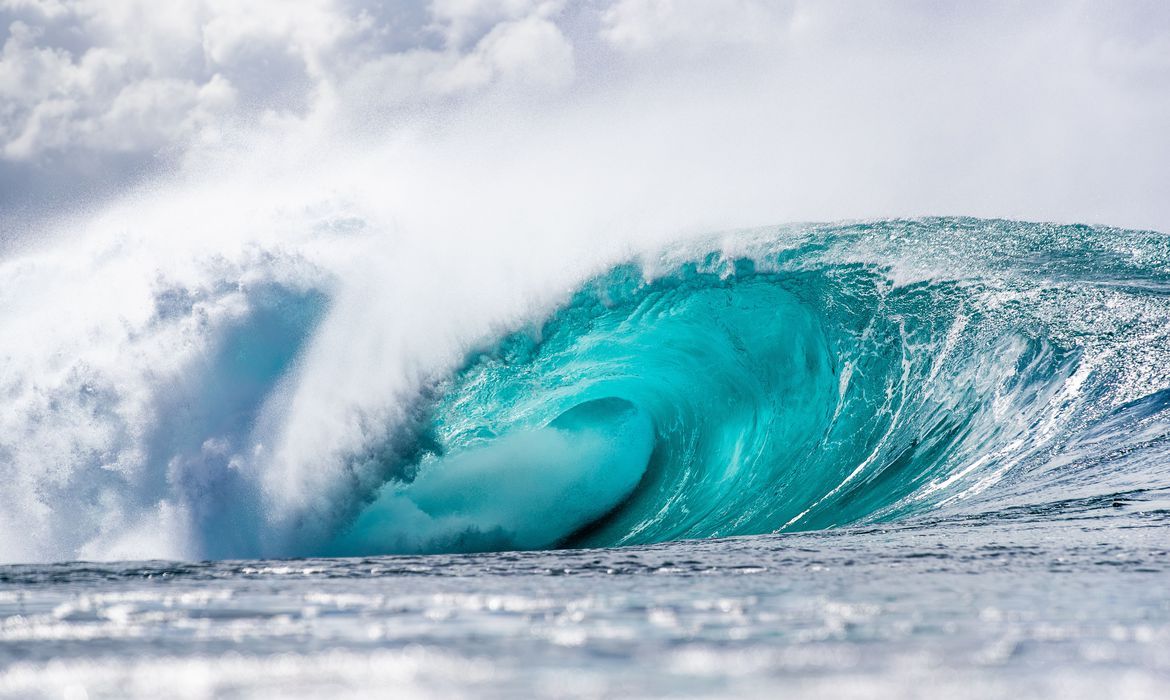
(792, 379)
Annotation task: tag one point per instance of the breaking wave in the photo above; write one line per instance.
(774, 380)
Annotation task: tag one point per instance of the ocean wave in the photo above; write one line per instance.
(793, 378)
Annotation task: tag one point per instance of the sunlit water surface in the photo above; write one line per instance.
(1063, 601)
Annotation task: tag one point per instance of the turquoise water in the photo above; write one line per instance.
(909, 458)
(808, 379)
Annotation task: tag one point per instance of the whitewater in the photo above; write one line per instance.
(894, 457)
(771, 380)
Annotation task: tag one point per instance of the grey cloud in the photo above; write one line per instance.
(97, 94)
(118, 81)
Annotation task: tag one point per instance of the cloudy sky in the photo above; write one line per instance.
(727, 113)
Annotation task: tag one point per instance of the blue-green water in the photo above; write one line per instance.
(895, 459)
(790, 385)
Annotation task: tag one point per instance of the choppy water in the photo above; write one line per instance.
(1068, 600)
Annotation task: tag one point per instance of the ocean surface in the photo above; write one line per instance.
(908, 458)
(1068, 600)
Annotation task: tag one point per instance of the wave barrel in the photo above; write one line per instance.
(526, 490)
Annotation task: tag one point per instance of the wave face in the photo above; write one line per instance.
(816, 378)
(786, 379)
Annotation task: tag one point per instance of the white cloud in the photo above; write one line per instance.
(103, 89)
(102, 98)
(530, 53)
(530, 50)
(125, 76)
(43, 8)
(104, 101)
(647, 24)
(464, 21)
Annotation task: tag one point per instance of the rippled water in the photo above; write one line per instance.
(1065, 600)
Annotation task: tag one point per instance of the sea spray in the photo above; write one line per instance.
(279, 398)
